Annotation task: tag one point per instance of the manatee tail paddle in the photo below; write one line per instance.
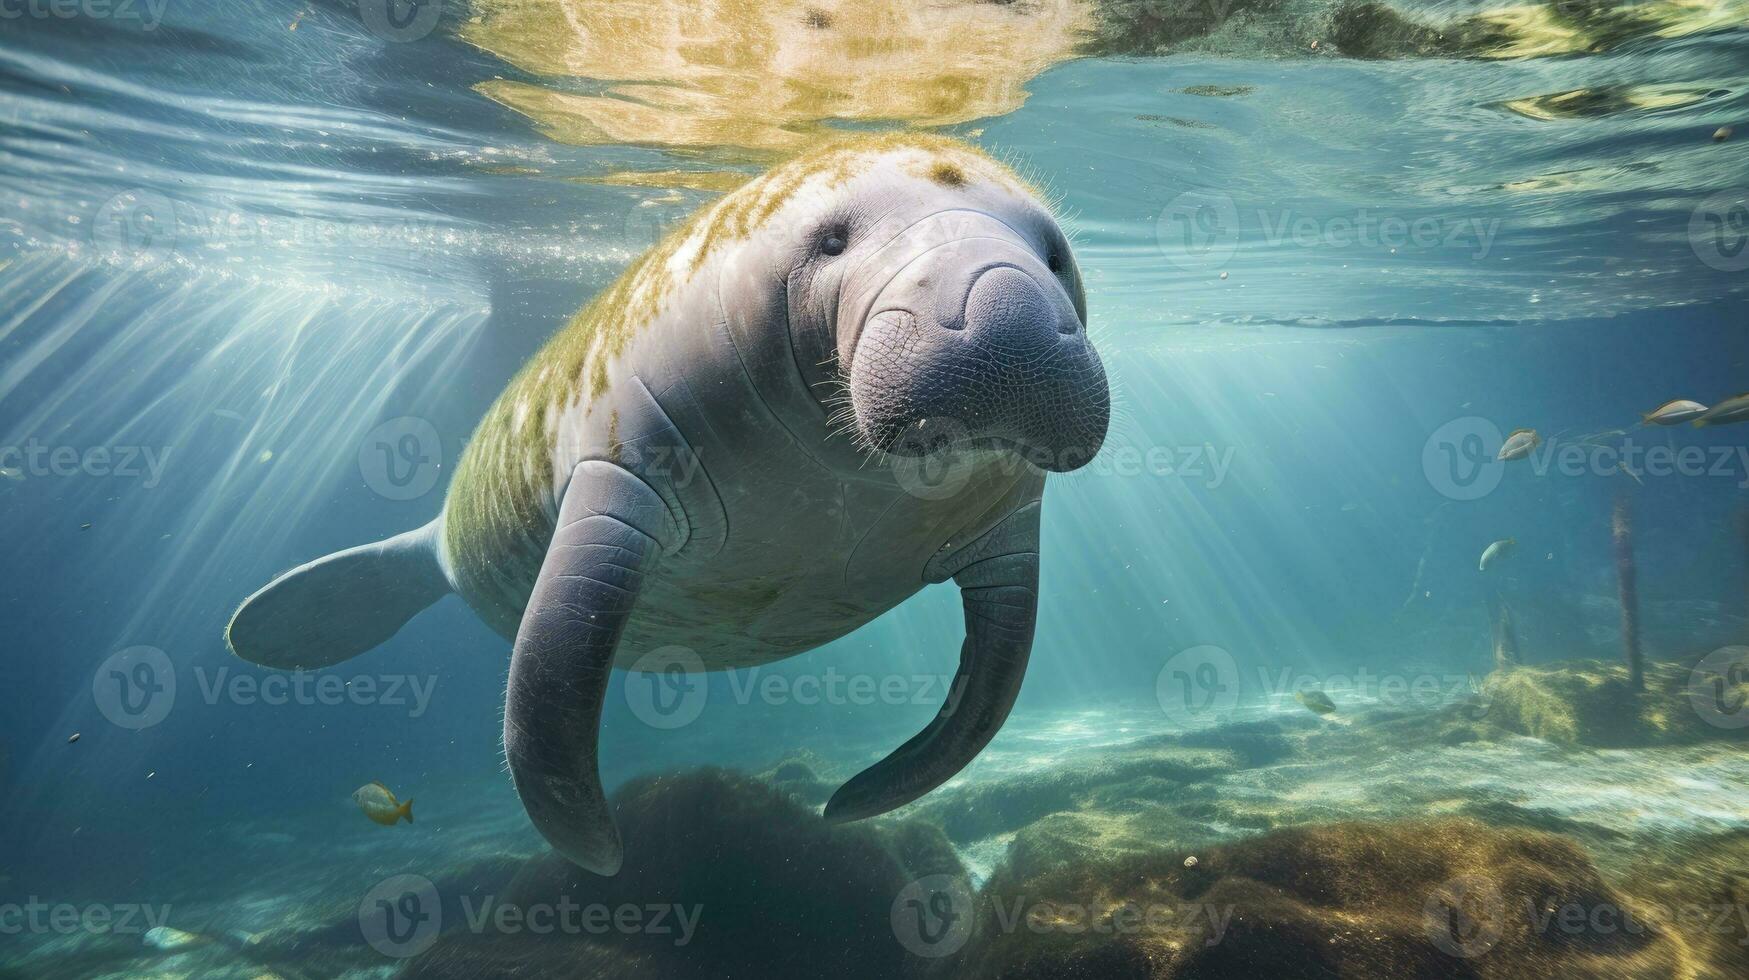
(337, 607)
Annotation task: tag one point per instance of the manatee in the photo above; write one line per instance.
(842, 382)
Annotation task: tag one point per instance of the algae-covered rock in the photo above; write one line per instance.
(1591, 703)
(799, 776)
(1700, 891)
(771, 891)
(1449, 898)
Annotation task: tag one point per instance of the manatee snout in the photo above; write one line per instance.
(977, 343)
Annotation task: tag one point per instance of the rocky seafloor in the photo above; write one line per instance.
(1553, 822)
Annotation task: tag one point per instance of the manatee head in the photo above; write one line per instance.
(933, 303)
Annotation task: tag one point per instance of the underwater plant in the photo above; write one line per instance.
(1622, 532)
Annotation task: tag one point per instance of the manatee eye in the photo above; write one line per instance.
(834, 244)
(1054, 262)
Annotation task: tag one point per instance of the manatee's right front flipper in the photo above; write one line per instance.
(610, 533)
(998, 580)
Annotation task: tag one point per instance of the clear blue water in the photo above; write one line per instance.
(230, 251)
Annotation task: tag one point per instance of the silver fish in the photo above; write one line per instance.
(1496, 551)
(1673, 412)
(1518, 445)
(1732, 409)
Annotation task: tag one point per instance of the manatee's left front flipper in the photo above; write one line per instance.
(611, 531)
(999, 589)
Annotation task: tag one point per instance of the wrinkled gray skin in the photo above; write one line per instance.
(735, 520)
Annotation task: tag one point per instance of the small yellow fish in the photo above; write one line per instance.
(1732, 409)
(1316, 702)
(1496, 551)
(1674, 412)
(379, 804)
(1519, 444)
